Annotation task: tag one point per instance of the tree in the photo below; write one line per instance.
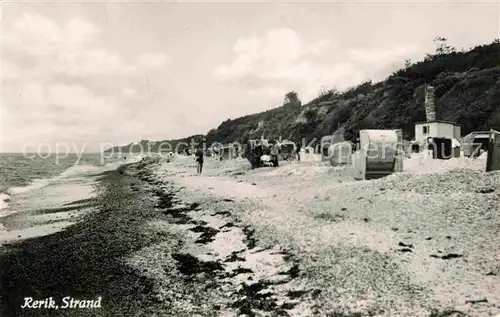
(323, 92)
(407, 63)
(292, 98)
(442, 46)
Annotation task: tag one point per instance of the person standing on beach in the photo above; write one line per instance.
(297, 151)
(274, 154)
(199, 160)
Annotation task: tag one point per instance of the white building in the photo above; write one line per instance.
(436, 129)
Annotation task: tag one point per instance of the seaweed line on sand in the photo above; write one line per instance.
(250, 295)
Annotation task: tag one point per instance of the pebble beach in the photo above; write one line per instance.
(303, 239)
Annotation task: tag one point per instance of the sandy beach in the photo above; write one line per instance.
(250, 159)
(412, 244)
(303, 239)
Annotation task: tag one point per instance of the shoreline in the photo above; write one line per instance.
(286, 241)
(28, 219)
(112, 252)
(86, 255)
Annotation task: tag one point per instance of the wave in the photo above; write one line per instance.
(4, 200)
(74, 171)
(71, 172)
(35, 184)
(80, 169)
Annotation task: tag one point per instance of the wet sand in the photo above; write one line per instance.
(142, 250)
(84, 261)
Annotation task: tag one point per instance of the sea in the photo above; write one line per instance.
(30, 181)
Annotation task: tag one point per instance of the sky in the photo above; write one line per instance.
(86, 75)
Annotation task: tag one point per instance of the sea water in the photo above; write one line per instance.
(34, 182)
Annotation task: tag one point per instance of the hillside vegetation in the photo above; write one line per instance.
(467, 91)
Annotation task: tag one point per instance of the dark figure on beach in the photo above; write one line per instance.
(199, 160)
(297, 151)
(274, 154)
(254, 153)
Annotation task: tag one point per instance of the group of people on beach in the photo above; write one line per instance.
(199, 156)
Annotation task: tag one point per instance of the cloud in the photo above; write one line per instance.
(60, 82)
(152, 59)
(64, 103)
(68, 49)
(92, 62)
(382, 56)
(37, 35)
(281, 61)
(36, 113)
(10, 69)
(32, 94)
(129, 92)
(280, 53)
(80, 102)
